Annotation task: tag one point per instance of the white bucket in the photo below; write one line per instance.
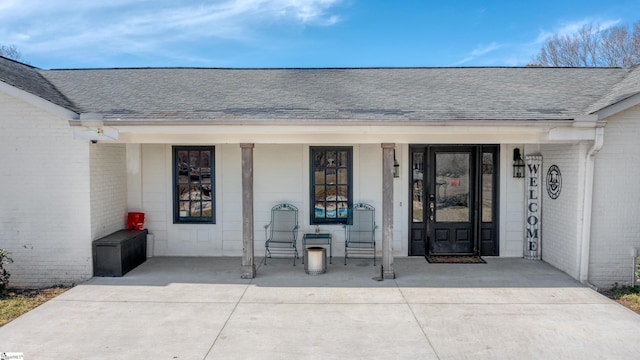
(315, 260)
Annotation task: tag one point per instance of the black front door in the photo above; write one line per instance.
(454, 197)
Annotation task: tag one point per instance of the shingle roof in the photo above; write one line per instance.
(414, 95)
(623, 90)
(29, 79)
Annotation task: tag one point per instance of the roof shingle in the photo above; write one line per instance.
(207, 95)
(29, 79)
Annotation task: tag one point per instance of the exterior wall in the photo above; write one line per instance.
(44, 213)
(562, 217)
(511, 205)
(401, 201)
(134, 177)
(224, 238)
(155, 205)
(616, 212)
(229, 198)
(108, 188)
(281, 174)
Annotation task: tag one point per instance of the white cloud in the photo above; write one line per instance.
(485, 49)
(89, 27)
(478, 52)
(570, 28)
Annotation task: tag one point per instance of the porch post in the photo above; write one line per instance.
(387, 211)
(248, 264)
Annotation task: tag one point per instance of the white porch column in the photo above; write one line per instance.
(248, 263)
(387, 211)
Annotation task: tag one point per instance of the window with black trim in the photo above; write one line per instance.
(331, 189)
(193, 184)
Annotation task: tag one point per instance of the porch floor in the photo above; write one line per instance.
(200, 308)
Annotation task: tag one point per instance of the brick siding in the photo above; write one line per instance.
(616, 203)
(44, 187)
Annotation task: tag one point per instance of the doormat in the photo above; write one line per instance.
(454, 259)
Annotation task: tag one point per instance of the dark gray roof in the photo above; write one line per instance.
(196, 95)
(29, 79)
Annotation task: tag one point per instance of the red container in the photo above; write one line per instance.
(135, 221)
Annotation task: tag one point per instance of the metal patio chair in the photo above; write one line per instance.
(282, 232)
(360, 234)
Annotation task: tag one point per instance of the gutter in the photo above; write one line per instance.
(587, 207)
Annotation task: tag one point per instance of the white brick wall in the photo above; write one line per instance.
(108, 188)
(616, 202)
(562, 217)
(44, 192)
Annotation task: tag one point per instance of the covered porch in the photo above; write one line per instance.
(250, 177)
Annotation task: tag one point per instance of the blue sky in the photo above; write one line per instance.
(294, 33)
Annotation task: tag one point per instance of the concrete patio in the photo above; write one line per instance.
(200, 308)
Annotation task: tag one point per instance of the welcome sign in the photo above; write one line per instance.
(533, 203)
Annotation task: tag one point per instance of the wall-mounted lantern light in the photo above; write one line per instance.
(396, 166)
(518, 164)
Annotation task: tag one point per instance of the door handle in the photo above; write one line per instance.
(432, 206)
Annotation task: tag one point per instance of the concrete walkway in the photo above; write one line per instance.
(200, 308)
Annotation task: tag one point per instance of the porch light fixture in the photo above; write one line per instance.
(518, 164)
(396, 166)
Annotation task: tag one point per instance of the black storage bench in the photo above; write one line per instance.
(119, 253)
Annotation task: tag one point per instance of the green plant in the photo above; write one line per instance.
(618, 291)
(637, 268)
(4, 274)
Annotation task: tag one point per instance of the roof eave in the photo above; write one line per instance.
(618, 107)
(38, 102)
(331, 122)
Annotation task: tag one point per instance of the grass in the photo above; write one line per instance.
(628, 296)
(16, 302)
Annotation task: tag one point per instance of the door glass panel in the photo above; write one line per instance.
(487, 187)
(418, 187)
(452, 187)
(343, 176)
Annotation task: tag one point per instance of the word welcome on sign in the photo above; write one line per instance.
(533, 206)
